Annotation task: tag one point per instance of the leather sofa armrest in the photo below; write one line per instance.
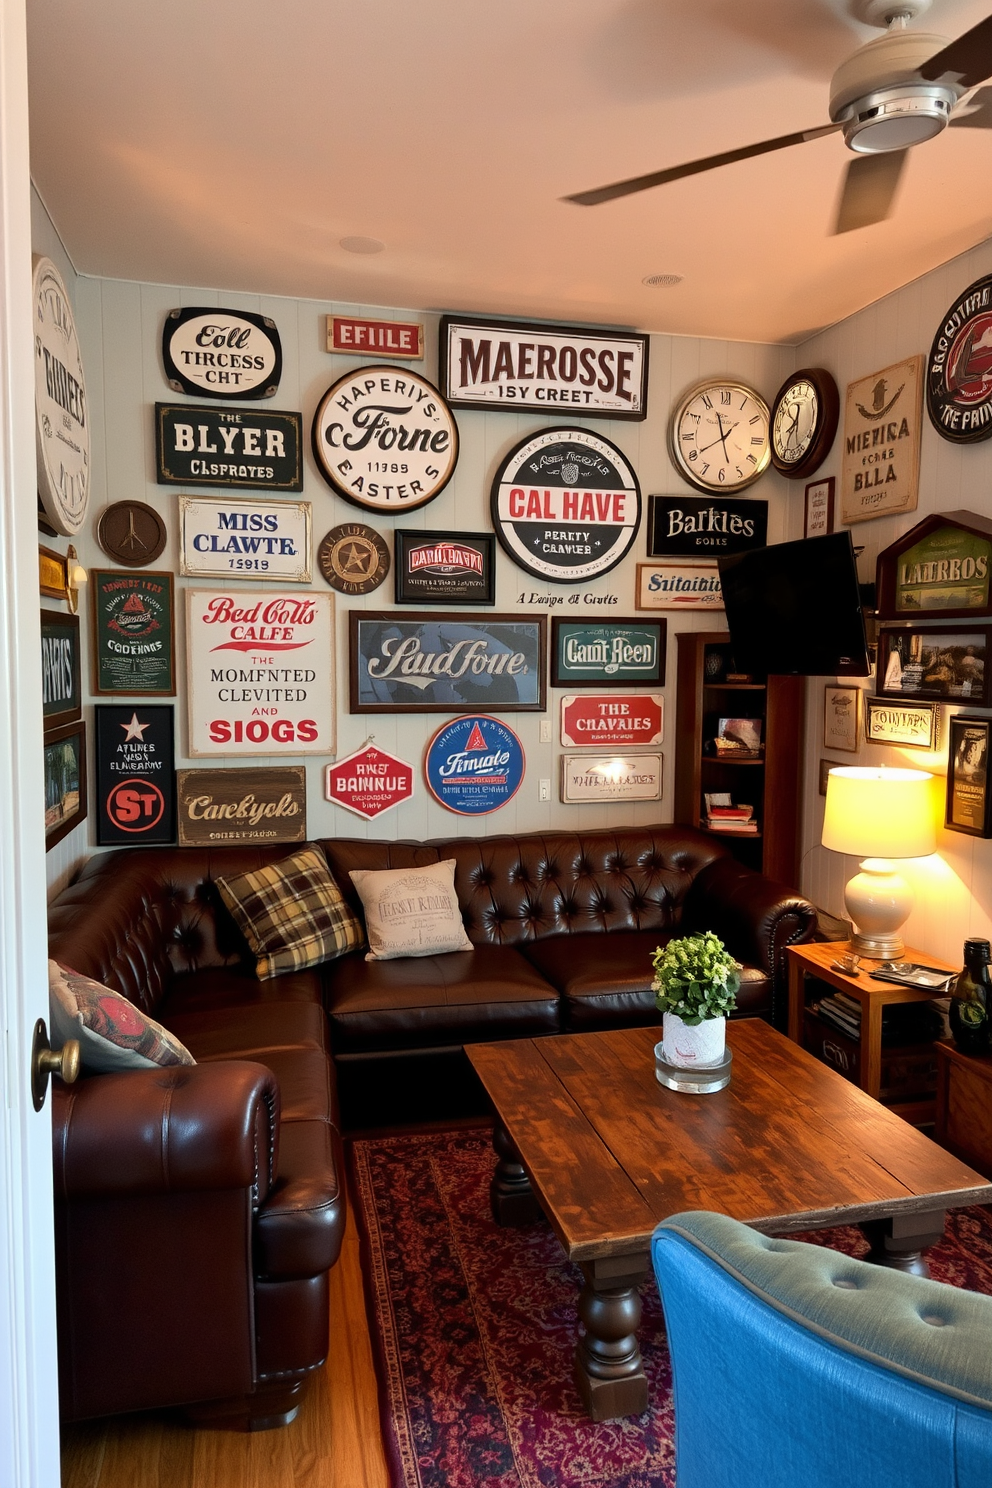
(755, 917)
(177, 1129)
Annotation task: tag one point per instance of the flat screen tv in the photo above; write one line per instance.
(795, 608)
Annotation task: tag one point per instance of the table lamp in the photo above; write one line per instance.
(877, 814)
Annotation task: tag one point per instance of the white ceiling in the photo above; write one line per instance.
(233, 143)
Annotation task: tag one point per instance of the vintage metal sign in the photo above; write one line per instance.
(385, 439)
(882, 426)
(889, 722)
(941, 567)
(61, 684)
(135, 774)
(618, 653)
(260, 672)
(225, 353)
(679, 586)
(959, 368)
(134, 632)
(353, 558)
(518, 367)
(566, 505)
(589, 720)
(611, 777)
(699, 526)
(62, 426)
(445, 567)
(231, 539)
(368, 782)
(233, 448)
(243, 805)
(474, 765)
(359, 337)
(438, 663)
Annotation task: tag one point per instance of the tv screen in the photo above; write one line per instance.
(795, 608)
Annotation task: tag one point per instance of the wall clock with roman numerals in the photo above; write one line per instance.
(804, 418)
(719, 435)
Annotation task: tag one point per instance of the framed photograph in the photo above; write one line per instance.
(678, 586)
(134, 633)
(135, 774)
(968, 801)
(65, 780)
(445, 567)
(841, 715)
(914, 724)
(613, 653)
(825, 767)
(61, 682)
(611, 777)
(446, 663)
(818, 520)
(883, 421)
(235, 538)
(948, 662)
(53, 574)
(739, 738)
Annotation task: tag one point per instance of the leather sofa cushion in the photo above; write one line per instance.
(299, 1228)
(228, 1033)
(490, 992)
(235, 988)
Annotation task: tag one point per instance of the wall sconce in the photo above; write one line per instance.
(75, 577)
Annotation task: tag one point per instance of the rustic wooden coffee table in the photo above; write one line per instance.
(586, 1135)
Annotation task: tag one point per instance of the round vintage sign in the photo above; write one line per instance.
(131, 532)
(566, 505)
(385, 439)
(61, 414)
(959, 369)
(474, 765)
(353, 558)
(224, 353)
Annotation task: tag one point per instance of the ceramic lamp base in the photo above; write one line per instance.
(879, 901)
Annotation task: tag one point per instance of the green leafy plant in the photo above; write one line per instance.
(695, 978)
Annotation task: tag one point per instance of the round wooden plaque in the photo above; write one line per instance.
(131, 532)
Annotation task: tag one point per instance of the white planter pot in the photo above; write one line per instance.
(699, 1047)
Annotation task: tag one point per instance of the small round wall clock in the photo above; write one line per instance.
(804, 417)
(719, 435)
(61, 414)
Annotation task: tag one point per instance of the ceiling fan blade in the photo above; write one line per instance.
(869, 188)
(969, 59)
(695, 167)
(977, 112)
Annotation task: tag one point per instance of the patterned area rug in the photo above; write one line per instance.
(475, 1328)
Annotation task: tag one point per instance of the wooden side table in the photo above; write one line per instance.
(814, 960)
(964, 1105)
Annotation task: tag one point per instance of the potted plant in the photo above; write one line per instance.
(695, 986)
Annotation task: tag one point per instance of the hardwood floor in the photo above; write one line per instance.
(335, 1442)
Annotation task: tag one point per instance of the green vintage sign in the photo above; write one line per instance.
(948, 569)
(134, 633)
(619, 653)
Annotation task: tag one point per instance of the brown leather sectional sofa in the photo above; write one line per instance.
(199, 1209)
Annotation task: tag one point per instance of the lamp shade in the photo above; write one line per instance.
(879, 813)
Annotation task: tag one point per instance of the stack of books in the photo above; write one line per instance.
(906, 1023)
(843, 1012)
(737, 819)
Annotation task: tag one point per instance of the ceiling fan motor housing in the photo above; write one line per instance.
(880, 98)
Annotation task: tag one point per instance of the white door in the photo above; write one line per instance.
(28, 1387)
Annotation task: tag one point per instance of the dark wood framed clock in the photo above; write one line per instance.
(804, 418)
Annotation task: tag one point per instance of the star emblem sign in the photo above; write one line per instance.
(134, 729)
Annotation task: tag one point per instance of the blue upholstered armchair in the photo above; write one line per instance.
(797, 1367)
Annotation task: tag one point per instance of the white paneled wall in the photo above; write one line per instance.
(120, 326)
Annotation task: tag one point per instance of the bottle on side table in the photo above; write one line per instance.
(971, 1000)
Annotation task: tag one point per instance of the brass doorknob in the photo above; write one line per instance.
(46, 1061)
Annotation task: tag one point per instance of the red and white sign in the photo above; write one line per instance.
(368, 782)
(392, 338)
(261, 672)
(596, 719)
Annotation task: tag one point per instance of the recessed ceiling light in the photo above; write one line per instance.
(662, 281)
(362, 245)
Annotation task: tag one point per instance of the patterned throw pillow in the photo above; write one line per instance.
(292, 914)
(113, 1034)
(411, 911)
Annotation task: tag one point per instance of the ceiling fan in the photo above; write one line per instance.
(891, 94)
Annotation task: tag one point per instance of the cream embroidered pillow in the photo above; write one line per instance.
(411, 911)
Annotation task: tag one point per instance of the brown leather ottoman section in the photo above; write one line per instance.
(491, 992)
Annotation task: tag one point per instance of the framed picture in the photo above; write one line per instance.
(611, 777)
(948, 662)
(61, 683)
(678, 586)
(883, 420)
(841, 713)
(967, 804)
(445, 567)
(134, 633)
(914, 724)
(53, 574)
(819, 514)
(446, 663)
(825, 767)
(65, 780)
(611, 653)
(941, 569)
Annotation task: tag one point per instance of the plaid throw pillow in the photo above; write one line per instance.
(292, 914)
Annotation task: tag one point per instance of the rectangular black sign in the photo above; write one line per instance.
(229, 447)
(705, 525)
(445, 567)
(61, 695)
(135, 774)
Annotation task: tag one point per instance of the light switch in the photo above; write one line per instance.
(544, 790)
(545, 731)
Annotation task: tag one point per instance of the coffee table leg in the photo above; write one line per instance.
(899, 1241)
(609, 1370)
(510, 1193)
